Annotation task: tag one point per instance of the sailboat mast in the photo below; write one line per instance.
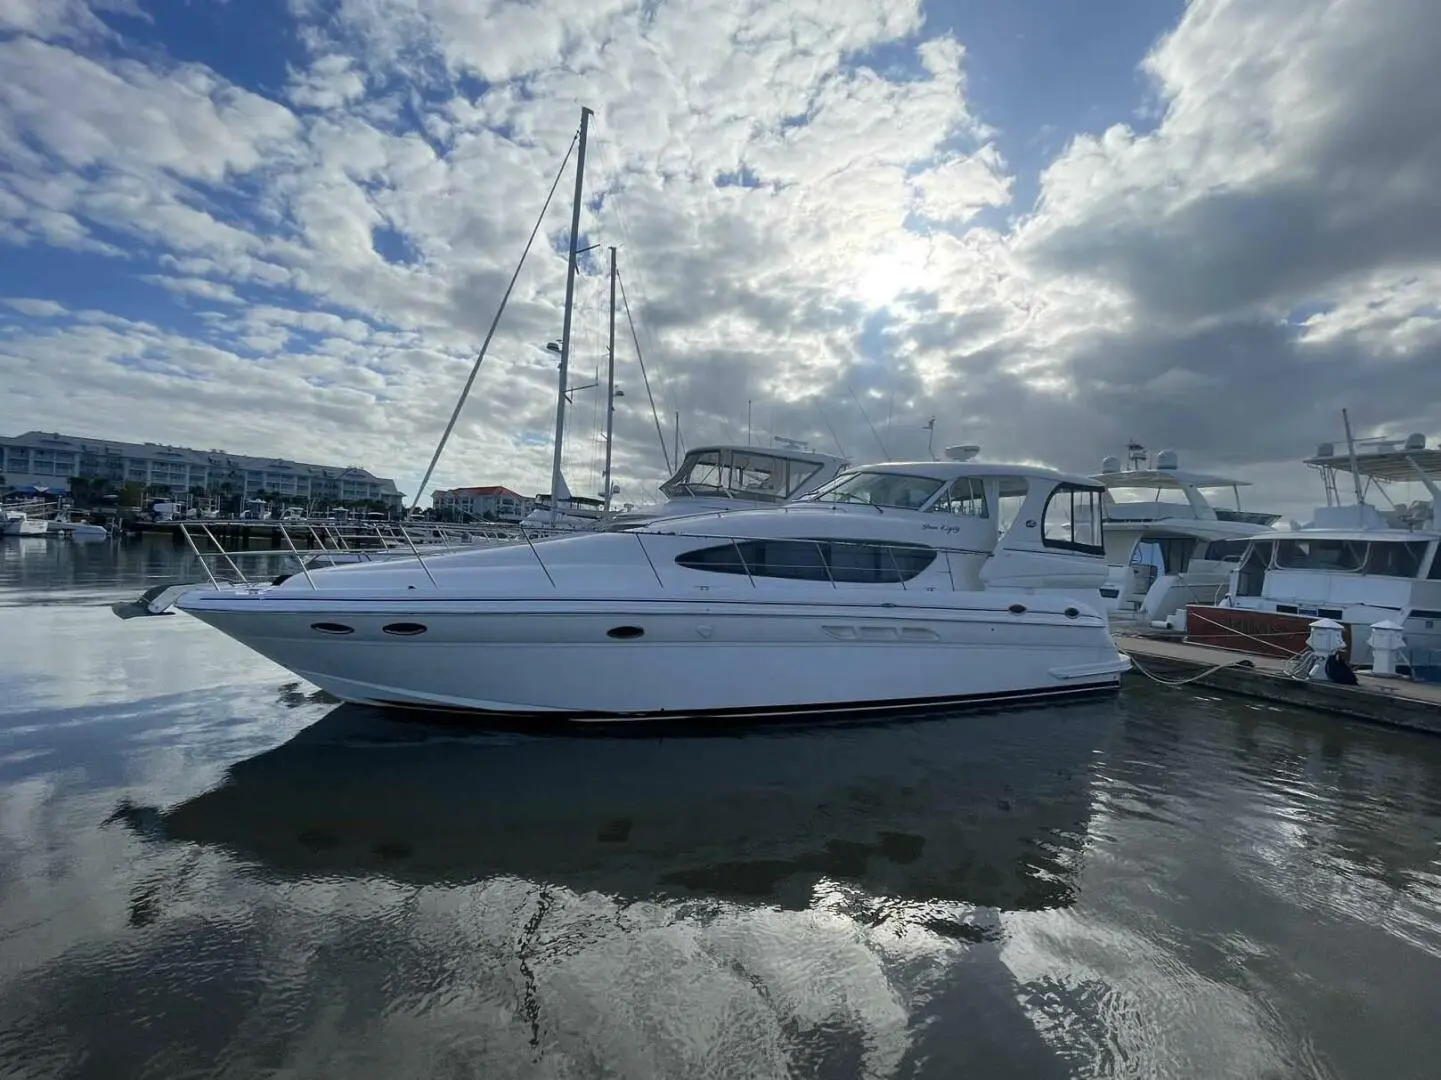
(555, 478)
(610, 387)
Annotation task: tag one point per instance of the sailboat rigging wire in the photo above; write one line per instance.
(827, 421)
(654, 415)
(494, 323)
(615, 203)
(870, 425)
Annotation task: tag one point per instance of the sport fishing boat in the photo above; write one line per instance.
(893, 586)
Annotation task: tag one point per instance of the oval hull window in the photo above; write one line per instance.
(334, 629)
(624, 633)
(404, 629)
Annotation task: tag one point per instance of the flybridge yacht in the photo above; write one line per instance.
(710, 478)
(733, 477)
(892, 586)
(1166, 543)
(1353, 562)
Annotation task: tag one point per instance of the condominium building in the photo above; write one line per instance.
(482, 503)
(50, 460)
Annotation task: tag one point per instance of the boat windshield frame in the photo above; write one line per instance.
(842, 490)
(794, 473)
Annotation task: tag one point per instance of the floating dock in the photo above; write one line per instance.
(1393, 702)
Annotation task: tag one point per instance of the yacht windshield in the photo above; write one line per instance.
(879, 489)
(741, 474)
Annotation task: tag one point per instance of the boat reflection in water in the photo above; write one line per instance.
(817, 900)
(985, 811)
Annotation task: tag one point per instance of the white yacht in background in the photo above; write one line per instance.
(716, 478)
(1353, 562)
(73, 526)
(1167, 552)
(19, 523)
(890, 587)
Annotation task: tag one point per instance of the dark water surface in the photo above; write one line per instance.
(206, 869)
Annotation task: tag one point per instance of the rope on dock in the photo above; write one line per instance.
(1241, 662)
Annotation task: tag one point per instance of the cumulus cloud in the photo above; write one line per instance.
(809, 209)
(1273, 238)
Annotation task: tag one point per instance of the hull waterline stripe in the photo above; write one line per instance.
(765, 712)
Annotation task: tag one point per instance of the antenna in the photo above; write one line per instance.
(931, 438)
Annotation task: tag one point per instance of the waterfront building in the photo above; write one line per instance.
(51, 460)
(481, 503)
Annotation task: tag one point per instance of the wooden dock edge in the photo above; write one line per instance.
(1395, 703)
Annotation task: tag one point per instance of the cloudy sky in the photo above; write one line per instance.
(283, 226)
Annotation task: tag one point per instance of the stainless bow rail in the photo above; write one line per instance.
(321, 542)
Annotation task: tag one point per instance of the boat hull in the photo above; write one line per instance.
(609, 661)
(25, 527)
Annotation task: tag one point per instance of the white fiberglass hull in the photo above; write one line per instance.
(618, 659)
(25, 527)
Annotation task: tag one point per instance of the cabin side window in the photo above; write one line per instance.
(1336, 556)
(708, 469)
(798, 475)
(1171, 554)
(849, 562)
(1072, 520)
(1252, 577)
(1230, 551)
(1435, 573)
(756, 476)
(1394, 558)
(966, 496)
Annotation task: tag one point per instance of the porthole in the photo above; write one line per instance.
(404, 629)
(624, 633)
(1071, 612)
(1017, 609)
(335, 629)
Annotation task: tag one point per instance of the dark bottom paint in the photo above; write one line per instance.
(830, 712)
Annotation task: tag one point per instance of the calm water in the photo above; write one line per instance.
(206, 869)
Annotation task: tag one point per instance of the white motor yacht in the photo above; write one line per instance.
(893, 586)
(1165, 551)
(1353, 562)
